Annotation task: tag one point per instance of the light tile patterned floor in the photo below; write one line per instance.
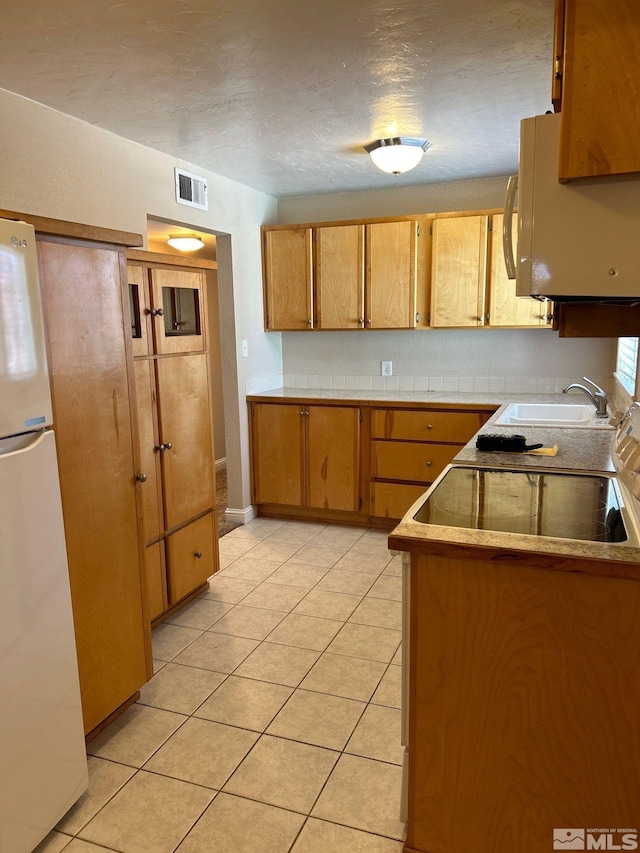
(272, 724)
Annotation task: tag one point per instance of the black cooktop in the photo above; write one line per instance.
(567, 506)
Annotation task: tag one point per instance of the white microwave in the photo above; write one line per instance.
(577, 240)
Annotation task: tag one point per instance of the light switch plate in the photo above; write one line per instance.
(245, 349)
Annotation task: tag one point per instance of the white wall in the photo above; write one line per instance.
(454, 359)
(56, 166)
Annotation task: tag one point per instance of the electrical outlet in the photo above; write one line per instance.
(386, 368)
(245, 349)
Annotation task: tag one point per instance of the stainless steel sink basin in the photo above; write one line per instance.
(572, 415)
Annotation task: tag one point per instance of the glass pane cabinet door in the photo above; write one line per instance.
(177, 311)
(139, 309)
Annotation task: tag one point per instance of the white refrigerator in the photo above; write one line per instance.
(43, 764)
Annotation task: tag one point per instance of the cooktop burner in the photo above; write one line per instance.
(567, 506)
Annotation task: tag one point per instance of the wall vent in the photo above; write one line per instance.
(191, 190)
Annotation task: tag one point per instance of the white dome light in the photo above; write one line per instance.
(185, 242)
(397, 155)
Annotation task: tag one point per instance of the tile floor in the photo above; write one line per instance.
(272, 724)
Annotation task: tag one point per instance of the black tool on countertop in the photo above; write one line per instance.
(504, 443)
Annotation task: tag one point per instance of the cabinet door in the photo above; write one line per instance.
(287, 279)
(139, 316)
(178, 311)
(391, 275)
(156, 579)
(84, 305)
(277, 449)
(339, 277)
(184, 414)
(191, 557)
(392, 500)
(600, 89)
(458, 271)
(505, 308)
(333, 454)
(149, 489)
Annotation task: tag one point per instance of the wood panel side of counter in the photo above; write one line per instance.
(524, 704)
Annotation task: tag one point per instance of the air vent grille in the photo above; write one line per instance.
(191, 190)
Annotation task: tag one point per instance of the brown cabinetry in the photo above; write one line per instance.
(344, 276)
(176, 437)
(469, 284)
(84, 297)
(306, 455)
(597, 86)
(409, 449)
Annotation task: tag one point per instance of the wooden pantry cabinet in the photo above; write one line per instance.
(596, 86)
(410, 448)
(168, 310)
(343, 276)
(306, 456)
(82, 276)
(469, 284)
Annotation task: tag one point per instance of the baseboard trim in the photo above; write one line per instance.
(221, 464)
(241, 516)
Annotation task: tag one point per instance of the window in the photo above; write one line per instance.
(627, 363)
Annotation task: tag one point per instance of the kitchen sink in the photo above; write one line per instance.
(577, 416)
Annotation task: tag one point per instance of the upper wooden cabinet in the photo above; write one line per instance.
(597, 86)
(348, 276)
(166, 310)
(306, 455)
(469, 284)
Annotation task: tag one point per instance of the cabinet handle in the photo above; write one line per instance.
(429, 464)
(197, 554)
(141, 478)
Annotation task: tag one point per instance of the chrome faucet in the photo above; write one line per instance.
(598, 397)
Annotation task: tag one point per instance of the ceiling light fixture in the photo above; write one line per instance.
(185, 242)
(398, 154)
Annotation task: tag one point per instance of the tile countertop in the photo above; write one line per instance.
(485, 399)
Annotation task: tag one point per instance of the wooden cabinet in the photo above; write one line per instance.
(597, 87)
(172, 375)
(344, 276)
(84, 295)
(515, 671)
(469, 285)
(409, 449)
(306, 455)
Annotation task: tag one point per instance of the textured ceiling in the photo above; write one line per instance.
(282, 94)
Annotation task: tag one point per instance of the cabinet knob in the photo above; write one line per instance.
(309, 323)
(368, 322)
(160, 448)
(157, 312)
(429, 426)
(360, 321)
(429, 464)
(168, 445)
(197, 554)
(141, 478)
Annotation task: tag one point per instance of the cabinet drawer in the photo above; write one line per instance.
(457, 427)
(185, 569)
(392, 500)
(402, 460)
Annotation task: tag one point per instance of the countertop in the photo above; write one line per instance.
(484, 399)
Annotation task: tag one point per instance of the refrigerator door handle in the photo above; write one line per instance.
(15, 444)
(507, 229)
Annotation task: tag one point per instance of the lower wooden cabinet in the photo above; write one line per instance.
(310, 457)
(306, 455)
(191, 557)
(409, 449)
